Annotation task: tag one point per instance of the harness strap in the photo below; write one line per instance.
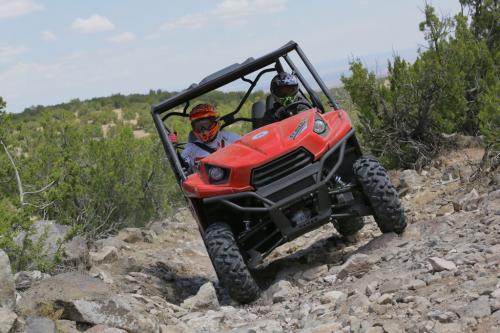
(205, 147)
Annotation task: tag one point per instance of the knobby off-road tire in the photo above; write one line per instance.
(229, 263)
(383, 197)
(348, 226)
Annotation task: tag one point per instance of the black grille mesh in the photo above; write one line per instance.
(280, 167)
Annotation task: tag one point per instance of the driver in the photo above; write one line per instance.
(284, 89)
(208, 137)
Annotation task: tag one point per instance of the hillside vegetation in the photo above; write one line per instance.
(98, 165)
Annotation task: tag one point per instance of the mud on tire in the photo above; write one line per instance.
(229, 263)
(383, 197)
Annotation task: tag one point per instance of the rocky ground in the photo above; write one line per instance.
(441, 275)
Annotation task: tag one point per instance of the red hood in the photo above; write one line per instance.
(267, 143)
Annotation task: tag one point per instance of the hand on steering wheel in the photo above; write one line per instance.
(290, 110)
(295, 104)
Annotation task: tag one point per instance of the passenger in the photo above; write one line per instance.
(284, 89)
(208, 137)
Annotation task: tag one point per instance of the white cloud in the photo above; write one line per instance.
(9, 53)
(95, 23)
(126, 37)
(226, 11)
(14, 8)
(48, 36)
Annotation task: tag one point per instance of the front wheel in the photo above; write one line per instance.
(229, 263)
(382, 196)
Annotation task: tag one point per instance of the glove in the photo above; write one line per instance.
(173, 138)
(281, 113)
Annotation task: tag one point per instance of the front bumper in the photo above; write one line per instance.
(306, 184)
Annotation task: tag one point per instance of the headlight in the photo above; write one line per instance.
(319, 126)
(216, 175)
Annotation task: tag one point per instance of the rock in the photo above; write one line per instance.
(206, 298)
(121, 311)
(496, 294)
(467, 202)
(415, 284)
(76, 250)
(25, 279)
(62, 287)
(40, 325)
(50, 234)
(356, 265)
(385, 299)
(391, 286)
(131, 235)
(104, 329)
(7, 320)
(149, 236)
(101, 274)
(439, 264)
(392, 327)
(496, 317)
(323, 328)
(445, 210)
(478, 309)
(7, 286)
(66, 326)
(281, 291)
(410, 179)
(315, 272)
(448, 328)
(333, 297)
(375, 329)
(111, 241)
(107, 254)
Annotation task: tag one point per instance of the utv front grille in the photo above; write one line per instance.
(281, 167)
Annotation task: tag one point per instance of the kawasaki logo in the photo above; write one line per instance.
(300, 128)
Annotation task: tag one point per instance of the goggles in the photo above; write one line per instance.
(204, 125)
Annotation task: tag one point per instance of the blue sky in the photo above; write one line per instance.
(53, 51)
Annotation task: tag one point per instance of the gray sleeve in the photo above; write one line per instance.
(188, 155)
(231, 137)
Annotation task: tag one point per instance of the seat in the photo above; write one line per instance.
(259, 110)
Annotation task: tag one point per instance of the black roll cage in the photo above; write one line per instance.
(224, 76)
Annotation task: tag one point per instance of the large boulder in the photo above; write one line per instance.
(51, 234)
(122, 311)
(7, 285)
(62, 287)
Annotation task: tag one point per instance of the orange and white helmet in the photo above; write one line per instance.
(205, 122)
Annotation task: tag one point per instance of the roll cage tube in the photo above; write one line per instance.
(223, 77)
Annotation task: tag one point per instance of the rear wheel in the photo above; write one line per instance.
(229, 263)
(348, 226)
(382, 196)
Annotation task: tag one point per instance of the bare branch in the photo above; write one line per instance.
(42, 189)
(18, 178)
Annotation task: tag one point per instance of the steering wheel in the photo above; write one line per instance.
(295, 104)
(286, 111)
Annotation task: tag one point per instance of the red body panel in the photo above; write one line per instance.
(264, 145)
